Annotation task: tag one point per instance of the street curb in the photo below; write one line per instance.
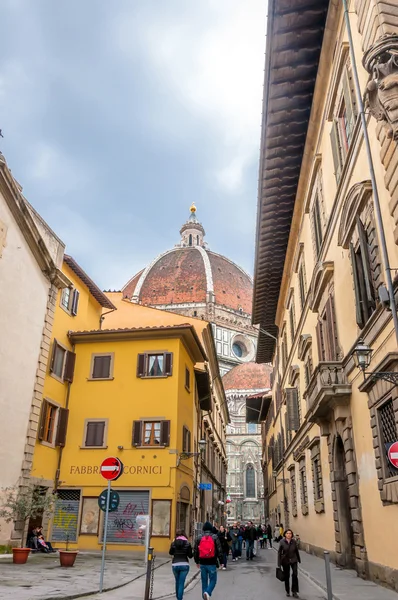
(109, 589)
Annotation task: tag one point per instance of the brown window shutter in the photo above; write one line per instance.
(293, 417)
(165, 433)
(331, 329)
(43, 418)
(319, 337)
(95, 433)
(69, 366)
(137, 429)
(363, 242)
(334, 139)
(168, 361)
(141, 365)
(189, 441)
(75, 302)
(53, 351)
(63, 416)
(187, 378)
(358, 305)
(184, 439)
(349, 104)
(101, 367)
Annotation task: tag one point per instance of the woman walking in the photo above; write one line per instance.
(225, 539)
(288, 557)
(181, 551)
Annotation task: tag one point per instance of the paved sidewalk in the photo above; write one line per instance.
(43, 578)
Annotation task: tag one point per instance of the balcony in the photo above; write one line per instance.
(327, 390)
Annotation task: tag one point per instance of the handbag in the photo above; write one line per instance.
(280, 574)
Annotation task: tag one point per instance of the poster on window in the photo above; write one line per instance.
(161, 513)
(90, 517)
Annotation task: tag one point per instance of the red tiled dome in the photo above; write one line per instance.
(188, 274)
(248, 376)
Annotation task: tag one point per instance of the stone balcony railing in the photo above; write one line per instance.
(327, 389)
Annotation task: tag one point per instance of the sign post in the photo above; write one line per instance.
(111, 469)
(393, 454)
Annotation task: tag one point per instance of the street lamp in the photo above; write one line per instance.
(186, 455)
(362, 355)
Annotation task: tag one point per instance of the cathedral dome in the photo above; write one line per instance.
(190, 274)
(248, 376)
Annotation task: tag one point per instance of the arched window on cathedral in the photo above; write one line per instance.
(250, 482)
(190, 239)
(197, 240)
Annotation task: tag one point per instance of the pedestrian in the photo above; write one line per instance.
(208, 555)
(281, 532)
(269, 534)
(225, 539)
(234, 533)
(276, 533)
(288, 557)
(250, 537)
(260, 533)
(240, 539)
(181, 551)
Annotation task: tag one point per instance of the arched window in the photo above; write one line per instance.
(250, 482)
(190, 239)
(197, 240)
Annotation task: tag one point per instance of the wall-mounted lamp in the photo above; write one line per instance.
(186, 455)
(362, 355)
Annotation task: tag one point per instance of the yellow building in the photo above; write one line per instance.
(322, 279)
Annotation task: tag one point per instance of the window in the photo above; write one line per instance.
(251, 428)
(53, 424)
(344, 119)
(302, 286)
(155, 364)
(292, 317)
(365, 293)
(250, 482)
(186, 439)
(316, 466)
(303, 487)
(70, 300)
(389, 434)
(317, 225)
(327, 333)
(293, 491)
(308, 370)
(102, 366)
(62, 363)
(284, 350)
(293, 409)
(187, 379)
(94, 433)
(151, 433)
(317, 475)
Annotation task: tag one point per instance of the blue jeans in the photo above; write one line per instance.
(180, 574)
(235, 549)
(208, 574)
(249, 548)
(240, 540)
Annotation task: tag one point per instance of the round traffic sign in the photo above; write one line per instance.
(393, 454)
(113, 501)
(111, 468)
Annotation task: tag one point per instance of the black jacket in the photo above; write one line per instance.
(288, 552)
(250, 534)
(269, 532)
(224, 539)
(217, 558)
(181, 551)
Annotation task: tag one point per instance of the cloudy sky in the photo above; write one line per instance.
(117, 115)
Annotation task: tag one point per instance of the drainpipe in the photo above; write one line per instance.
(58, 471)
(376, 199)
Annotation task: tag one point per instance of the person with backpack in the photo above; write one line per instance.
(181, 551)
(208, 555)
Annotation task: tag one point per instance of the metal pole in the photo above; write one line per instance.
(148, 573)
(108, 499)
(328, 575)
(376, 199)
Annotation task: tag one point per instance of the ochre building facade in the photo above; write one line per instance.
(320, 283)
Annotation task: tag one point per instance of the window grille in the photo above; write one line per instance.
(389, 433)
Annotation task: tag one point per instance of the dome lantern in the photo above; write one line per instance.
(192, 232)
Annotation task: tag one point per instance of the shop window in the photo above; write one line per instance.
(66, 512)
(155, 364)
(151, 433)
(102, 366)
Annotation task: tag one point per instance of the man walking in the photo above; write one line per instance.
(269, 534)
(250, 537)
(234, 532)
(208, 554)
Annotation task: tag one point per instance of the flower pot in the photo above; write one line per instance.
(67, 557)
(20, 555)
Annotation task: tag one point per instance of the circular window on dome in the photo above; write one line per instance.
(242, 348)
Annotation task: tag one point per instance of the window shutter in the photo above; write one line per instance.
(293, 417)
(168, 361)
(101, 367)
(189, 441)
(69, 366)
(42, 422)
(165, 433)
(95, 433)
(358, 308)
(187, 378)
(54, 349)
(319, 337)
(363, 242)
(63, 416)
(331, 329)
(184, 439)
(75, 302)
(334, 139)
(141, 365)
(137, 428)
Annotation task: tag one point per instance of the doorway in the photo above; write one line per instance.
(346, 557)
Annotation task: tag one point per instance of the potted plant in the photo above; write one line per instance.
(67, 557)
(20, 503)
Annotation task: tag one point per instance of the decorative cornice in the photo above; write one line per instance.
(322, 276)
(353, 204)
(305, 343)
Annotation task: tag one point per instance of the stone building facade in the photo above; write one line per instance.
(321, 284)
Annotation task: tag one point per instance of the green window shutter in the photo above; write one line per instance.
(358, 307)
(334, 139)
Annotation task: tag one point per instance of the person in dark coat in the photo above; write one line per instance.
(250, 536)
(225, 539)
(269, 534)
(181, 551)
(208, 566)
(288, 557)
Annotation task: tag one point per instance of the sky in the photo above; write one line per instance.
(118, 115)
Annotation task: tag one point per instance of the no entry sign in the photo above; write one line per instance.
(393, 454)
(111, 468)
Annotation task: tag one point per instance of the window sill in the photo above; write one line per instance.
(54, 376)
(100, 378)
(93, 447)
(319, 506)
(157, 446)
(304, 509)
(153, 376)
(47, 444)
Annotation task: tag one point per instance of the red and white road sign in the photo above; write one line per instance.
(111, 468)
(393, 454)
